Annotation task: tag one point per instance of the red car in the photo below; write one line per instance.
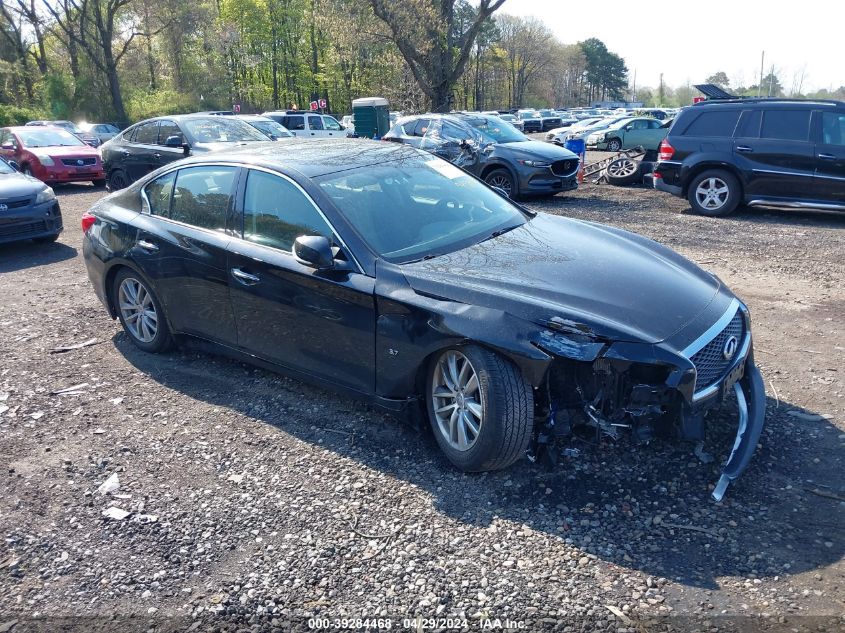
(51, 154)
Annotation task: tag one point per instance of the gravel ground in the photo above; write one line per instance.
(257, 501)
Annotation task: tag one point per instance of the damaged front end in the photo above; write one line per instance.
(643, 389)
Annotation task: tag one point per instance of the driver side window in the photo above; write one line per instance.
(276, 212)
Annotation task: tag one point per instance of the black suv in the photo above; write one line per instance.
(758, 152)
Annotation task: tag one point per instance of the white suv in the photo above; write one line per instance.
(308, 124)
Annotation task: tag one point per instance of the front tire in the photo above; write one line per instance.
(614, 145)
(140, 312)
(714, 193)
(480, 407)
(117, 180)
(502, 179)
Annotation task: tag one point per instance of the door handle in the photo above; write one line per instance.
(245, 278)
(744, 148)
(147, 246)
(156, 155)
(827, 156)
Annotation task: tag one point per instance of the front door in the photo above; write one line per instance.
(164, 154)
(830, 158)
(319, 322)
(139, 154)
(182, 247)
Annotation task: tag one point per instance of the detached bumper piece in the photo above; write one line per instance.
(751, 401)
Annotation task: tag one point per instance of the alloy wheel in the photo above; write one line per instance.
(712, 193)
(457, 400)
(622, 167)
(501, 182)
(138, 310)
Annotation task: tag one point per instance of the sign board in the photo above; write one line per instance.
(698, 99)
(322, 103)
(314, 105)
(236, 108)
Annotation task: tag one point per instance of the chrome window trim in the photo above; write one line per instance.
(690, 350)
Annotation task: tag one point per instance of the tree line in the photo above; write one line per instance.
(125, 60)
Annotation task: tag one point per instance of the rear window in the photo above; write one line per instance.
(295, 122)
(787, 125)
(718, 123)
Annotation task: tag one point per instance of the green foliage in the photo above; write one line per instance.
(145, 104)
(16, 115)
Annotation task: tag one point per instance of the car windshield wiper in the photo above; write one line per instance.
(499, 232)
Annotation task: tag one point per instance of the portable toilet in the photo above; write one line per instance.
(371, 116)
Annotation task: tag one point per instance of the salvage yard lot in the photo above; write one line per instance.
(265, 500)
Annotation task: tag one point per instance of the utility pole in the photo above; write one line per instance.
(660, 92)
(634, 89)
(771, 80)
(760, 83)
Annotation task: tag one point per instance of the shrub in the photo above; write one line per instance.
(16, 115)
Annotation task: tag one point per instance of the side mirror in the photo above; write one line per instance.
(314, 251)
(8, 145)
(173, 141)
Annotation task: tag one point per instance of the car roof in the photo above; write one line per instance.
(769, 101)
(313, 158)
(28, 128)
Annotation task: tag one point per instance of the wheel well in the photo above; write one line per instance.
(108, 282)
(490, 168)
(706, 166)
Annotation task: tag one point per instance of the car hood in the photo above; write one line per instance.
(17, 185)
(59, 151)
(535, 149)
(615, 285)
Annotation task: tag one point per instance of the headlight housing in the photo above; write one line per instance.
(45, 159)
(535, 163)
(45, 195)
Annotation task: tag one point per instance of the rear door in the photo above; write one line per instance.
(774, 148)
(830, 157)
(319, 322)
(181, 246)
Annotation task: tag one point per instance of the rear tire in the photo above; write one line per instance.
(117, 180)
(481, 408)
(614, 145)
(714, 193)
(140, 312)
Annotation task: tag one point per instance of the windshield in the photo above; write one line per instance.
(68, 125)
(548, 113)
(221, 130)
(507, 117)
(495, 130)
(271, 127)
(47, 137)
(529, 115)
(5, 168)
(418, 207)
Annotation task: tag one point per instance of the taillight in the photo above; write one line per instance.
(666, 151)
(88, 221)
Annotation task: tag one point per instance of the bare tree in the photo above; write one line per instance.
(434, 50)
(529, 46)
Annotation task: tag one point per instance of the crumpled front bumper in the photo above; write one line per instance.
(751, 401)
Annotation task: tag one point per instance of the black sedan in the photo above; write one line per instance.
(391, 274)
(493, 150)
(148, 145)
(28, 208)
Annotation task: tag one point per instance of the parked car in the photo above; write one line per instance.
(644, 132)
(103, 131)
(561, 134)
(513, 120)
(86, 137)
(28, 207)
(551, 119)
(51, 154)
(150, 144)
(387, 273)
(309, 124)
(493, 150)
(656, 113)
(600, 126)
(266, 126)
(531, 120)
(758, 152)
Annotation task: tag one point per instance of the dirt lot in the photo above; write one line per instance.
(259, 501)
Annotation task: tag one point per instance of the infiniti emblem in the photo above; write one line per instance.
(80, 162)
(4, 207)
(730, 347)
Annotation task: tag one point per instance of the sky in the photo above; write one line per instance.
(689, 40)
